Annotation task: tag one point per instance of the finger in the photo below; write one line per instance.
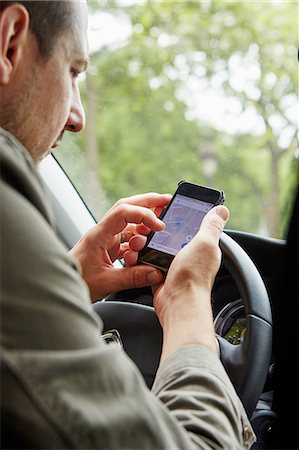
(137, 229)
(130, 257)
(137, 243)
(159, 210)
(120, 252)
(149, 200)
(135, 277)
(130, 230)
(125, 236)
(118, 219)
(142, 229)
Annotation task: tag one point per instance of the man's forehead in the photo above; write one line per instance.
(77, 44)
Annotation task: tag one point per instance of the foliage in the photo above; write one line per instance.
(149, 128)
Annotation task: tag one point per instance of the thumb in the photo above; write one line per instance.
(214, 222)
(136, 277)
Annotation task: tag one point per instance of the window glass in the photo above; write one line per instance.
(198, 90)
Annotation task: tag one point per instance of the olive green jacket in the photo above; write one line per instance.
(61, 385)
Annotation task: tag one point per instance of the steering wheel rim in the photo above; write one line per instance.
(247, 364)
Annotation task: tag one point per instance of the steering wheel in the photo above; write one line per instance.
(247, 364)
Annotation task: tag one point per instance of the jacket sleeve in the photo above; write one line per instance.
(194, 386)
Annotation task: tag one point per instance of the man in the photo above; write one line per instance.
(62, 387)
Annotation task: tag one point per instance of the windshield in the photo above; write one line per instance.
(203, 91)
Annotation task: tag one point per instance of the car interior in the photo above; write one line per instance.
(204, 91)
(255, 304)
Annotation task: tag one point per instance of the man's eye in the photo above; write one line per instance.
(75, 73)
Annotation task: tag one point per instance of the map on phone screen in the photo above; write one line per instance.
(182, 221)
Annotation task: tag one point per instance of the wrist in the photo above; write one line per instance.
(185, 305)
(188, 320)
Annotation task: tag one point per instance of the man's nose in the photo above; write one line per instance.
(76, 120)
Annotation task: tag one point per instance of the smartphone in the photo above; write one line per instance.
(182, 218)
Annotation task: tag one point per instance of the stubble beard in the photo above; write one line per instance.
(18, 116)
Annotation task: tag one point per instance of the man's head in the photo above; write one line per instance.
(43, 49)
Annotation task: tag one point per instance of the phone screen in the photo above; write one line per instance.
(182, 220)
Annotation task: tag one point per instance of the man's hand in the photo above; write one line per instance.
(120, 234)
(183, 302)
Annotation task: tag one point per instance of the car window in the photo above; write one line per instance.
(199, 90)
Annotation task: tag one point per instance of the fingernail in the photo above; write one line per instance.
(154, 277)
(222, 212)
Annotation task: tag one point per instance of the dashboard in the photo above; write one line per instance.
(230, 322)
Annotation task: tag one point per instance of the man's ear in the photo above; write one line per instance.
(14, 25)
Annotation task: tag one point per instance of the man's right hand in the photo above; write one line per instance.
(120, 234)
(183, 301)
